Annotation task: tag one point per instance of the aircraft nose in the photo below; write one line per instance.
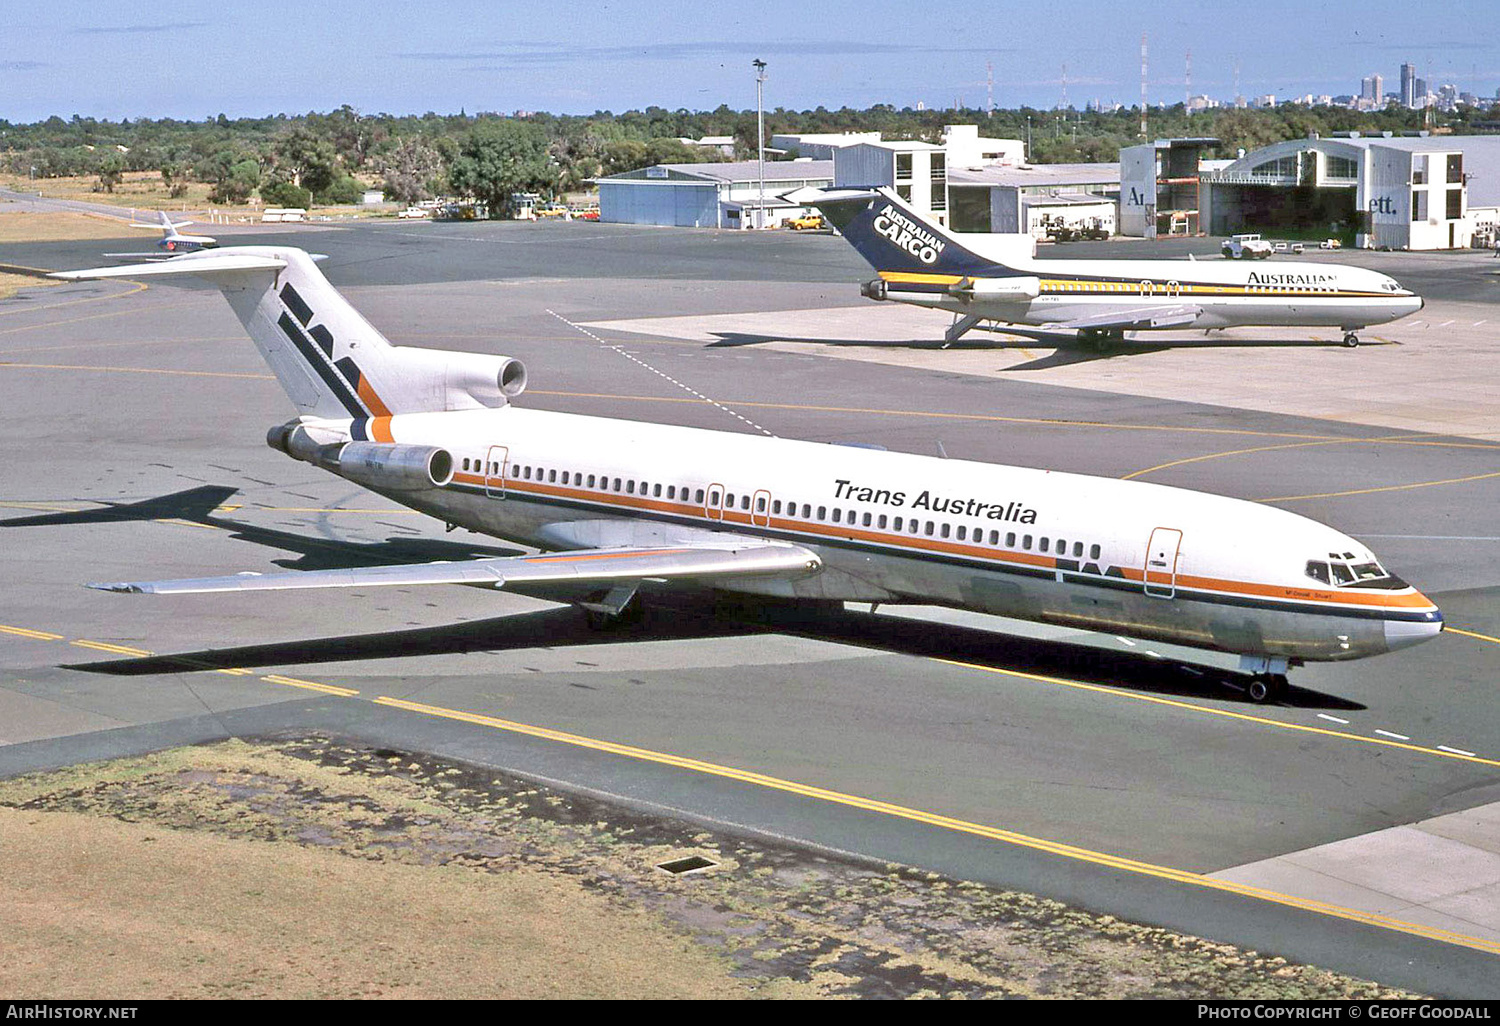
(1405, 633)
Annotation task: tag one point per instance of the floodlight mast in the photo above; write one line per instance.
(760, 139)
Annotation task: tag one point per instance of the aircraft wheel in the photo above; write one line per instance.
(1266, 687)
(1351, 340)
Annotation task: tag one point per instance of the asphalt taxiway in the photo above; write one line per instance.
(1085, 768)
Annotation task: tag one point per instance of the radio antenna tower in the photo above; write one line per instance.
(1236, 81)
(1187, 86)
(1143, 85)
(989, 88)
(1064, 104)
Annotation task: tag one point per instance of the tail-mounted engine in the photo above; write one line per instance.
(462, 381)
(382, 466)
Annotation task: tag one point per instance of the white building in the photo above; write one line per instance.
(726, 195)
(919, 171)
(1421, 192)
(1029, 197)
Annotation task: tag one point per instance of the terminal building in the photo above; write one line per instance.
(1378, 191)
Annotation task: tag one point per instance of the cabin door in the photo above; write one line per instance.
(494, 471)
(1161, 562)
(760, 508)
(713, 502)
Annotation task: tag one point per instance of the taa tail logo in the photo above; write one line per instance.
(908, 235)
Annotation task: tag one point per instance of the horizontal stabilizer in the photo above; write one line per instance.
(205, 266)
(726, 559)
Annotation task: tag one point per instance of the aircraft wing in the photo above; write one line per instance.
(729, 558)
(1179, 316)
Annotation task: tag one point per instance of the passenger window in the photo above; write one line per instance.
(837, 513)
(591, 480)
(466, 463)
(744, 502)
(1317, 570)
(928, 531)
(776, 507)
(700, 496)
(806, 511)
(565, 477)
(994, 537)
(1077, 549)
(896, 524)
(729, 500)
(1093, 552)
(1062, 547)
(822, 512)
(962, 531)
(1042, 546)
(656, 491)
(1010, 539)
(881, 523)
(1026, 542)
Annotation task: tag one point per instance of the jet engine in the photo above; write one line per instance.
(1017, 290)
(463, 381)
(384, 466)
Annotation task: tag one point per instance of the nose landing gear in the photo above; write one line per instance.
(1351, 339)
(1267, 687)
(1267, 677)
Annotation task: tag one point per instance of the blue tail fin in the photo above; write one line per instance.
(891, 236)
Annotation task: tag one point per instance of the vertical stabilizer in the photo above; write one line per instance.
(330, 361)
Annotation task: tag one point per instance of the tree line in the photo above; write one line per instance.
(298, 160)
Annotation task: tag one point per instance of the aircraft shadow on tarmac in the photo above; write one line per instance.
(1066, 349)
(672, 614)
(685, 615)
(197, 506)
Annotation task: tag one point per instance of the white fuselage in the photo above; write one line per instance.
(1126, 557)
(1226, 294)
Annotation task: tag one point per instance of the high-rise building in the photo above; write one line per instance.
(1408, 85)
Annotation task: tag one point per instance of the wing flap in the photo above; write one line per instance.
(703, 562)
(1141, 317)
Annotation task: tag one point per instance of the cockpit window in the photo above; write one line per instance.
(1342, 571)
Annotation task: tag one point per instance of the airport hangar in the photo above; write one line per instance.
(720, 195)
(1392, 192)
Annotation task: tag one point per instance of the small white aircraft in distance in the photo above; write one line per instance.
(173, 243)
(619, 504)
(980, 277)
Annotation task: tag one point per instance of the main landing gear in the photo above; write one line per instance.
(1101, 340)
(1267, 677)
(1351, 339)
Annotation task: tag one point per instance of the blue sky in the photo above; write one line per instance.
(192, 59)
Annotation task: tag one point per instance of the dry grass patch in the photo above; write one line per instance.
(312, 867)
(10, 284)
(66, 226)
(143, 190)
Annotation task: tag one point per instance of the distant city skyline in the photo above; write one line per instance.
(276, 56)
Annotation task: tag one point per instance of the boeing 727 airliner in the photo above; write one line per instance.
(998, 278)
(616, 503)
